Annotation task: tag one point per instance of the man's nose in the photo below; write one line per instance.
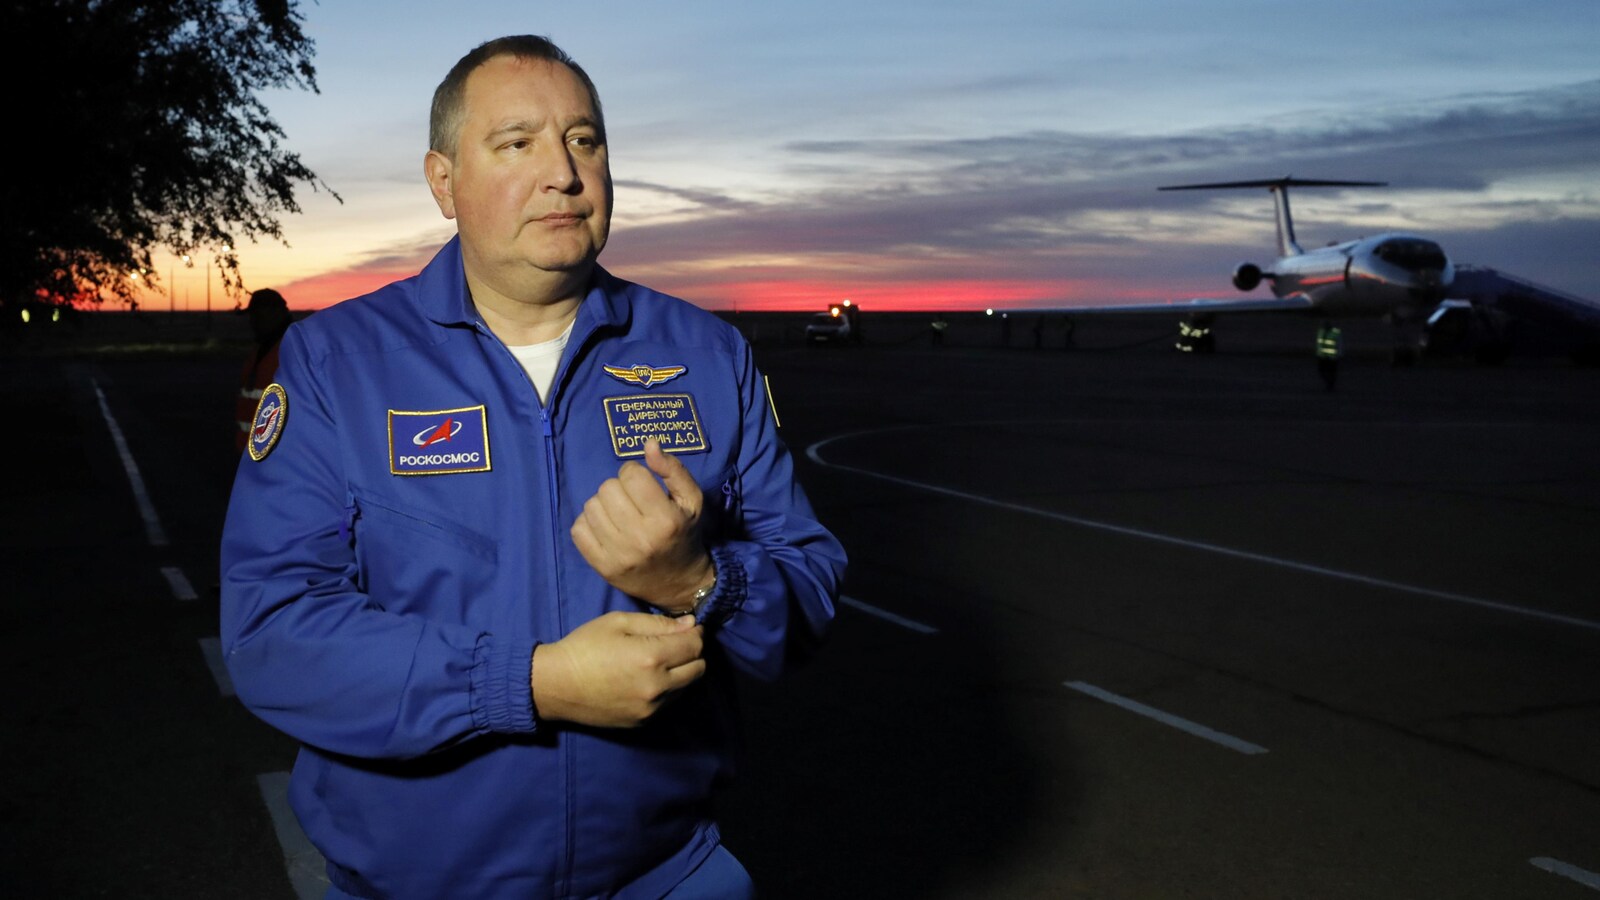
(556, 170)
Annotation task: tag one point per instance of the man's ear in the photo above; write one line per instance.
(438, 169)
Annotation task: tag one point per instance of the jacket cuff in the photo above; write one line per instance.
(502, 687)
(733, 586)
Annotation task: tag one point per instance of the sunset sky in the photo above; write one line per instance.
(960, 155)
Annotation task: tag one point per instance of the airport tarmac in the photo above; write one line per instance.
(1120, 623)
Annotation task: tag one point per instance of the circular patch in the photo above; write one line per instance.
(268, 426)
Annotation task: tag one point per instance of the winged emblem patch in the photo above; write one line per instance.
(643, 375)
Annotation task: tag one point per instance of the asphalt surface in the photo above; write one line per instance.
(1122, 624)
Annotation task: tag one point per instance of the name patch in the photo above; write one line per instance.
(669, 418)
(438, 442)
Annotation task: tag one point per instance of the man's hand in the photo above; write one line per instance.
(617, 670)
(643, 540)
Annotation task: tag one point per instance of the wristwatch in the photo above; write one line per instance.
(703, 596)
(726, 592)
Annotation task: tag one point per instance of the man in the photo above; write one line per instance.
(1330, 346)
(470, 562)
(269, 319)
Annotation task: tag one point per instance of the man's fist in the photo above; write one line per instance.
(645, 540)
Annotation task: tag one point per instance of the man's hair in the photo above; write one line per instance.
(449, 99)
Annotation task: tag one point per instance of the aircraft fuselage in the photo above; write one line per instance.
(1397, 274)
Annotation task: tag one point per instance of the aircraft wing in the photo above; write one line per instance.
(1523, 299)
(1193, 305)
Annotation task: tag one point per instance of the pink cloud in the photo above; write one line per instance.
(327, 288)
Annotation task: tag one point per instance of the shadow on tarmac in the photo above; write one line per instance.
(917, 786)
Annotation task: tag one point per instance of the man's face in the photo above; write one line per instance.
(530, 185)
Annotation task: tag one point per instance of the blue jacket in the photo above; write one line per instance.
(392, 559)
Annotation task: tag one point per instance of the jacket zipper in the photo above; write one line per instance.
(547, 430)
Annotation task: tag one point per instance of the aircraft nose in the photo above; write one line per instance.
(1430, 284)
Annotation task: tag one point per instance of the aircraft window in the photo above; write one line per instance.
(1412, 255)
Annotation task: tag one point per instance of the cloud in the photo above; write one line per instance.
(1079, 209)
(708, 200)
(373, 271)
(1050, 216)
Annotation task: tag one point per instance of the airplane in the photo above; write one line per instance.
(1434, 304)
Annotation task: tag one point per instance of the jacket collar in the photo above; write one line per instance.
(442, 294)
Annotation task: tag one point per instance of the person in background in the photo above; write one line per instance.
(1330, 347)
(269, 319)
(506, 531)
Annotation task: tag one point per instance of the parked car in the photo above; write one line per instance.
(827, 326)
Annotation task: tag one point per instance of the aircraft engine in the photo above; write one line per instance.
(1247, 276)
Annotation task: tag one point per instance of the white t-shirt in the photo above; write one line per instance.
(540, 361)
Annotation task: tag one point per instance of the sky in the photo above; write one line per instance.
(958, 155)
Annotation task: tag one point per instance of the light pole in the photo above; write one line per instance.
(226, 248)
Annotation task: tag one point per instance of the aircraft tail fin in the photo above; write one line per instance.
(1287, 246)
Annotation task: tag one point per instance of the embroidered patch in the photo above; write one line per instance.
(438, 442)
(669, 418)
(645, 376)
(272, 410)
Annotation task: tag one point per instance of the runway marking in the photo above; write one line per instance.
(181, 588)
(1124, 530)
(1566, 870)
(211, 649)
(1166, 718)
(887, 616)
(308, 873)
(153, 531)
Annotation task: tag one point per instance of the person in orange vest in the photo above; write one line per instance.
(269, 319)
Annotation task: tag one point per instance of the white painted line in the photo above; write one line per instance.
(1165, 718)
(308, 873)
(181, 588)
(211, 649)
(887, 616)
(1589, 624)
(1566, 870)
(152, 523)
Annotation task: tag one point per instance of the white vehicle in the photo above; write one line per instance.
(828, 326)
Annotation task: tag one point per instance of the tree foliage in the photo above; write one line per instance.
(140, 128)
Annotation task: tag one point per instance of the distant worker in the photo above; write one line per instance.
(1194, 335)
(852, 315)
(1330, 346)
(269, 319)
(939, 325)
